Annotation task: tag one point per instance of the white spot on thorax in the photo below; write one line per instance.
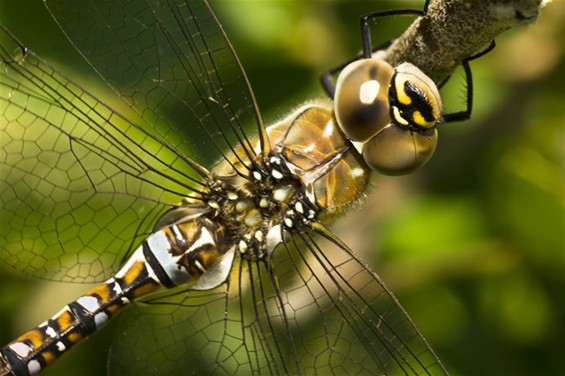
(242, 246)
(213, 204)
(259, 235)
(282, 194)
(329, 129)
(242, 205)
(264, 203)
(357, 171)
(288, 222)
(277, 174)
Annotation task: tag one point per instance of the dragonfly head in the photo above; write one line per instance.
(392, 112)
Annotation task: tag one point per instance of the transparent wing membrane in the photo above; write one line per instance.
(314, 309)
(83, 182)
(182, 82)
(76, 176)
(169, 61)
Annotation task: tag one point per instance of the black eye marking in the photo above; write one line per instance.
(419, 102)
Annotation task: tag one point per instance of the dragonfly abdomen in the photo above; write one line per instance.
(169, 257)
(39, 347)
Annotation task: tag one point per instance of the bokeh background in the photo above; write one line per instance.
(473, 245)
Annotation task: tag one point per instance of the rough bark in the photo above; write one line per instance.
(452, 30)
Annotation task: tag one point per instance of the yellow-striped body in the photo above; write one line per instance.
(319, 169)
(185, 244)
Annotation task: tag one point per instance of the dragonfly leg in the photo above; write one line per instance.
(466, 114)
(327, 79)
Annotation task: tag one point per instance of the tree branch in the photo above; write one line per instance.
(453, 30)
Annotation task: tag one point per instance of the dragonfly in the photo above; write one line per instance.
(226, 266)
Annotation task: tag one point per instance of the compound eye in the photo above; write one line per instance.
(361, 102)
(398, 150)
(414, 99)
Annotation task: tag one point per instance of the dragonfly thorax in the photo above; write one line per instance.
(258, 208)
(311, 174)
(316, 151)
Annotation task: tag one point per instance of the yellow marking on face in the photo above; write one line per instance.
(420, 121)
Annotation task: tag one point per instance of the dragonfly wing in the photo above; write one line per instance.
(172, 63)
(315, 308)
(80, 183)
(375, 333)
(191, 332)
(105, 178)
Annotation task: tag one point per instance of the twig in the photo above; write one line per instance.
(452, 30)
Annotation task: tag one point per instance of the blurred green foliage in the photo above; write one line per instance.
(473, 244)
